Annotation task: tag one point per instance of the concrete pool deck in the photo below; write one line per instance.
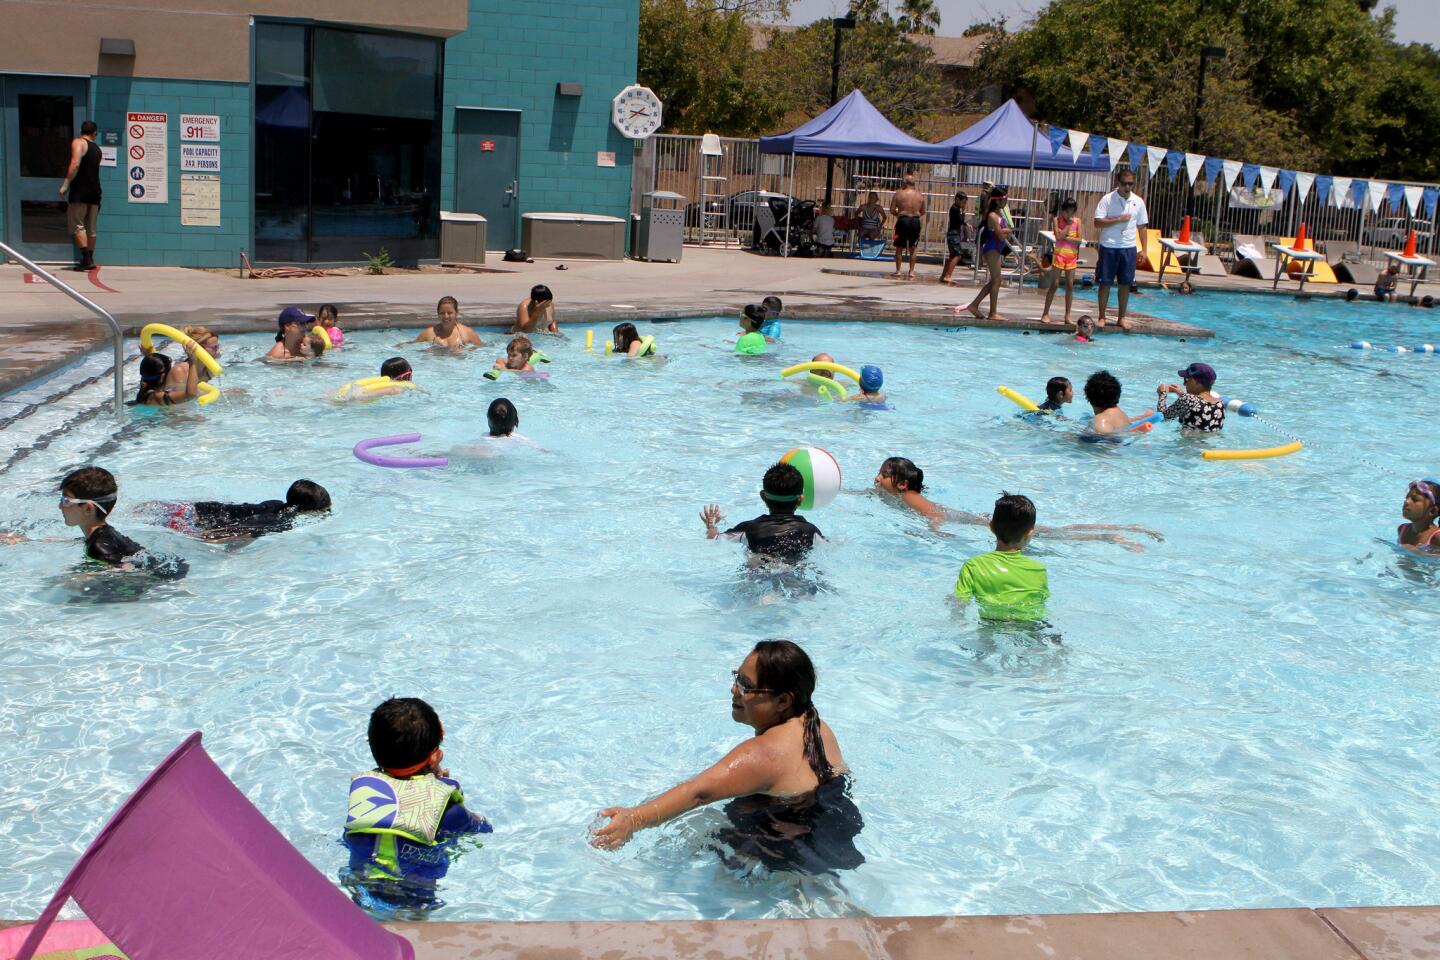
(1380, 933)
(41, 329)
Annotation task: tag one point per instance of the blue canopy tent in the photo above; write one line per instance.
(851, 129)
(1008, 138)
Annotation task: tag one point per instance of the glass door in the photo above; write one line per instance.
(42, 115)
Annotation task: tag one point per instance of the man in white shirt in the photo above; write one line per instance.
(1118, 216)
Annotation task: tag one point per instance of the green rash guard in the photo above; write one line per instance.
(1007, 584)
(751, 344)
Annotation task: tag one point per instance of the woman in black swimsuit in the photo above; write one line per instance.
(1196, 406)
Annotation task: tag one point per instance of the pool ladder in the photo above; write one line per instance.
(116, 334)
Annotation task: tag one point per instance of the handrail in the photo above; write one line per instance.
(116, 333)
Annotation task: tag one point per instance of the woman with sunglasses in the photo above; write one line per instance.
(787, 784)
(1422, 507)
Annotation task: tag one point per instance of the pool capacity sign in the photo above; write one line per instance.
(147, 174)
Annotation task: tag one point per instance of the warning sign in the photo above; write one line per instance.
(149, 175)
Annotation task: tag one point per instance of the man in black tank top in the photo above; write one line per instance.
(82, 183)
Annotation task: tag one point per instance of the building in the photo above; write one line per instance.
(310, 130)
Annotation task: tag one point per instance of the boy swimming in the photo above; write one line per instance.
(214, 521)
(407, 814)
(1058, 392)
(752, 341)
(871, 380)
(780, 534)
(517, 354)
(1007, 584)
(771, 327)
(447, 330)
(1102, 392)
(87, 498)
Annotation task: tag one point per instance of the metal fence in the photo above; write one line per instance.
(744, 177)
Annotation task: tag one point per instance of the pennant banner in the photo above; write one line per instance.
(1057, 137)
(1303, 183)
(1212, 168)
(1117, 150)
(1173, 161)
(1193, 163)
(1340, 192)
(1376, 191)
(1322, 188)
(1157, 157)
(1135, 152)
(1077, 144)
(1432, 194)
(1412, 199)
(1097, 147)
(1287, 179)
(1232, 170)
(1396, 196)
(1267, 177)
(1249, 173)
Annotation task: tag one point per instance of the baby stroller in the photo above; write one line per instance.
(769, 234)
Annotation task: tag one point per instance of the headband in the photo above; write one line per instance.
(781, 497)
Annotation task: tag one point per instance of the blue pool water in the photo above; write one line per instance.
(1237, 717)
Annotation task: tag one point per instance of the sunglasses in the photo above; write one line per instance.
(739, 682)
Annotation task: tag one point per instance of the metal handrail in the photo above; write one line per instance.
(116, 333)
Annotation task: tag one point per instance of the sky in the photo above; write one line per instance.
(1415, 20)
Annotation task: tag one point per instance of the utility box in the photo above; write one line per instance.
(462, 238)
(661, 233)
(572, 236)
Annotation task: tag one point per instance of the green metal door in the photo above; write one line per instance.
(42, 115)
(487, 171)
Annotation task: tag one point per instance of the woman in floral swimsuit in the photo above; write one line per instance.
(1196, 406)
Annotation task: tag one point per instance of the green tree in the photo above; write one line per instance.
(699, 60)
(918, 16)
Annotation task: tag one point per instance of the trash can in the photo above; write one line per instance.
(662, 226)
(462, 238)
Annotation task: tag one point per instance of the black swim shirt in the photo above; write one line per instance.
(781, 536)
(269, 516)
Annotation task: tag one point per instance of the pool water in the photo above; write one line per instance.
(1239, 716)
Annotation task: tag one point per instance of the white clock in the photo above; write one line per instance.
(636, 112)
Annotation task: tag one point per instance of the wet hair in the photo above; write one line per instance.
(92, 483)
(154, 368)
(503, 417)
(1055, 386)
(772, 305)
(901, 470)
(782, 667)
(396, 368)
(754, 317)
(541, 293)
(782, 488)
(317, 344)
(403, 731)
(307, 495)
(450, 300)
(1013, 517)
(1085, 321)
(1351, 294)
(200, 334)
(87, 127)
(1068, 204)
(1102, 390)
(330, 307)
(1427, 301)
(623, 335)
(521, 342)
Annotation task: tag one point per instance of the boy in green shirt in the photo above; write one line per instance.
(1007, 584)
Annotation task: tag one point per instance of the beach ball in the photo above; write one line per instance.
(821, 472)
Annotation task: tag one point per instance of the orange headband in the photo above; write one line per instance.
(401, 772)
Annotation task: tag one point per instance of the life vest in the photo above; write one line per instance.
(411, 809)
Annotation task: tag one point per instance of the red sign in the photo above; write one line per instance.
(137, 152)
(487, 146)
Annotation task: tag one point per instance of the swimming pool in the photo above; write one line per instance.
(1238, 717)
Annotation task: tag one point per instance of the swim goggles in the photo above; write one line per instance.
(1427, 488)
(103, 504)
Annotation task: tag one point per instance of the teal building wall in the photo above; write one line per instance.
(511, 57)
(150, 234)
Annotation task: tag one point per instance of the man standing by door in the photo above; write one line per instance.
(1119, 216)
(82, 183)
(908, 206)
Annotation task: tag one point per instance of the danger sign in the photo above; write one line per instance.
(149, 168)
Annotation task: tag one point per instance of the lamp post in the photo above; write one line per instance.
(841, 23)
(1206, 53)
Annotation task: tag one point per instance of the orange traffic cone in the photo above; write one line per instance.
(1410, 245)
(1185, 231)
(1300, 237)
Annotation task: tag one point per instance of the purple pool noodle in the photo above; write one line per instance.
(362, 452)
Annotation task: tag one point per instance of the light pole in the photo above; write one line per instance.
(1206, 53)
(841, 23)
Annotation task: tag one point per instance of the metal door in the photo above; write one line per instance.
(487, 171)
(41, 116)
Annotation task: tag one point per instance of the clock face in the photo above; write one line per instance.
(636, 112)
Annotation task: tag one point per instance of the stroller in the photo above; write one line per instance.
(768, 236)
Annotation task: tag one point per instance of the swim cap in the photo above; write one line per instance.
(871, 378)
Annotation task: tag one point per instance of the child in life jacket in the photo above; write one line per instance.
(406, 815)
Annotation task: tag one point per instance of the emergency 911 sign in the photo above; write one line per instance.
(147, 173)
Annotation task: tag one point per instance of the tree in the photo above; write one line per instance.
(918, 16)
